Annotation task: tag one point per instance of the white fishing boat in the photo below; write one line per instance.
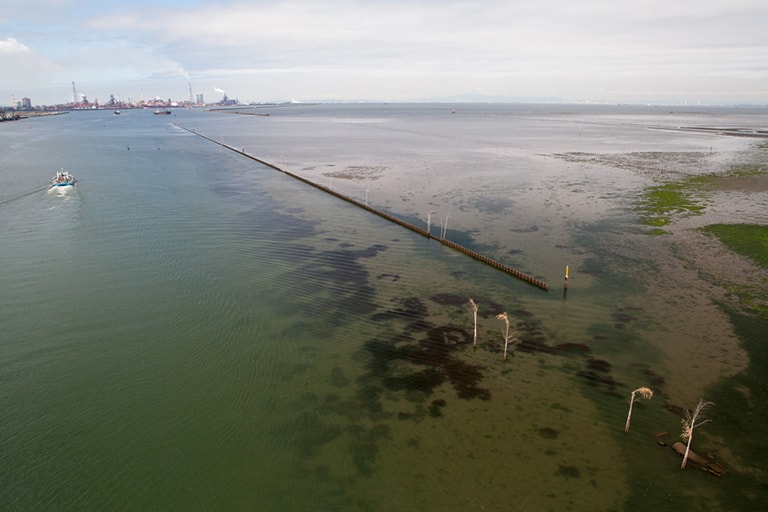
(63, 179)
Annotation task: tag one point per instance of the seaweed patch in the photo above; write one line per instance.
(426, 357)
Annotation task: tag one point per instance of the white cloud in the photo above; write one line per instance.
(492, 35)
(10, 45)
(354, 47)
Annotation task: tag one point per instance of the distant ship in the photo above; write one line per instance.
(159, 112)
(63, 179)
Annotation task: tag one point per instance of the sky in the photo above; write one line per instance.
(613, 51)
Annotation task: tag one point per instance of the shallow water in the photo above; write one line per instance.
(190, 330)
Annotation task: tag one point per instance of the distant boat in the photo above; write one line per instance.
(117, 112)
(159, 112)
(63, 179)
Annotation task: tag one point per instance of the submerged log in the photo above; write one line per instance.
(700, 462)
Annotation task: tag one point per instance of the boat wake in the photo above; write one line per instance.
(22, 196)
(60, 191)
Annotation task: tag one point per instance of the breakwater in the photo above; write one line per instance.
(365, 206)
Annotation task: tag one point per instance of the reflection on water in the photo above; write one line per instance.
(207, 330)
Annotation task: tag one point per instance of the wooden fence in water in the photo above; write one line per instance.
(365, 206)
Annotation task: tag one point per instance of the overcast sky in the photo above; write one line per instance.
(643, 51)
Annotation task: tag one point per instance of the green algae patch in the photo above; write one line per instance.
(660, 203)
(749, 240)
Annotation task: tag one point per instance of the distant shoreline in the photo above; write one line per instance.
(733, 132)
(16, 116)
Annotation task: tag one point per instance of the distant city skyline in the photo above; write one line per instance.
(708, 52)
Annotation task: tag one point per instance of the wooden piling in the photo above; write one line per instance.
(365, 206)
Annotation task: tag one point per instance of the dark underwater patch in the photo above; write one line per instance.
(338, 378)
(294, 229)
(573, 348)
(549, 433)
(598, 380)
(465, 379)
(308, 433)
(436, 408)
(365, 446)
(568, 471)
(342, 268)
(411, 309)
(424, 380)
(532, 339)
(598, 365)
(430, 348)
(623, 316)
(450, 299)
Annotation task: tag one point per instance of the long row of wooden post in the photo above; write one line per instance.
(364, 205)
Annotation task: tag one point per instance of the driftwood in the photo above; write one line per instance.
(700, 462)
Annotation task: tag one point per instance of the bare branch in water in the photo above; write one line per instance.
(690, 422)
(507, 337)
(473, 305)
(644, 392)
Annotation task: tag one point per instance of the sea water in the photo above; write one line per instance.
(188, 329)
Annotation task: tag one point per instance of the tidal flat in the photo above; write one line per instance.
(676, 298)
(542, 191)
